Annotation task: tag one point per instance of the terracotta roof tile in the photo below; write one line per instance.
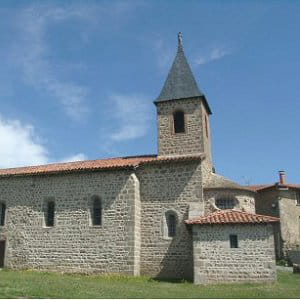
(260, 187)
(293, 186)
(91, 165)
(257, 187)
(229, 216)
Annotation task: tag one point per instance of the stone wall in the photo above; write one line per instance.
(289, 220)
(206, 170)
(168, 187)
(281, 203)
(267, 202)
(72, 244)
(189, 142)
(132, 237)
(244, 200)
(135, 236)
(216, 262)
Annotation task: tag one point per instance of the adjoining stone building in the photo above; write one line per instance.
(281, 200)
(135, 215)
(231, 245)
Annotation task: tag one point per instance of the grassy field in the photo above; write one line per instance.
(32, 284)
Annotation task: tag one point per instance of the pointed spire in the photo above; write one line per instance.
(180, 82)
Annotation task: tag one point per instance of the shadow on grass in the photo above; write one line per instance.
(170, 280)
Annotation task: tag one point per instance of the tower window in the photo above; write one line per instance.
(97, 212)
(171, 223)
(2, 213)
(179, 126)
(206, 126)
(233, 238)
(225, 203)
(50, 214)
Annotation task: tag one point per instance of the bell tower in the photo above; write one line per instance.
(183, 113)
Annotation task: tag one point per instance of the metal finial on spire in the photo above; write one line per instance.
(180, 39)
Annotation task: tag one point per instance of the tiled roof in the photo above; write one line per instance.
(92, 165)
(216, 181)
(229, 216)
(293, 186)
(260, 187)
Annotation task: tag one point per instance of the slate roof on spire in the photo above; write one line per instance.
(180, 82)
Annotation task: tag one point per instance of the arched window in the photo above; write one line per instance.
(96, 211)
(2, 213)
(179, 126)
(50, 214)
(171, 224)
(225, 203)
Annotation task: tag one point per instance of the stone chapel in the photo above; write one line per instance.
(166, 215)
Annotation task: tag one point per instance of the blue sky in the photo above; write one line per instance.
(78, 80)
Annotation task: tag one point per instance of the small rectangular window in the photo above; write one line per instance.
(233, 241)
(97, 212)
(2, 214)
(50, 214)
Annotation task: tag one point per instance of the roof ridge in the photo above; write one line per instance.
(93, 165)
(259, 187)
(242, 212)
(82, 161)
(218, 181)
(231, 216)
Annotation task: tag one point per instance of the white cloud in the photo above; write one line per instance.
(76, 157)
(215, 54)
(131, 113)
(129, 120)
(31, 52)
(164, 52)
(19, 145)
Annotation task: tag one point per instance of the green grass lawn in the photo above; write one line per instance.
(33, 284)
